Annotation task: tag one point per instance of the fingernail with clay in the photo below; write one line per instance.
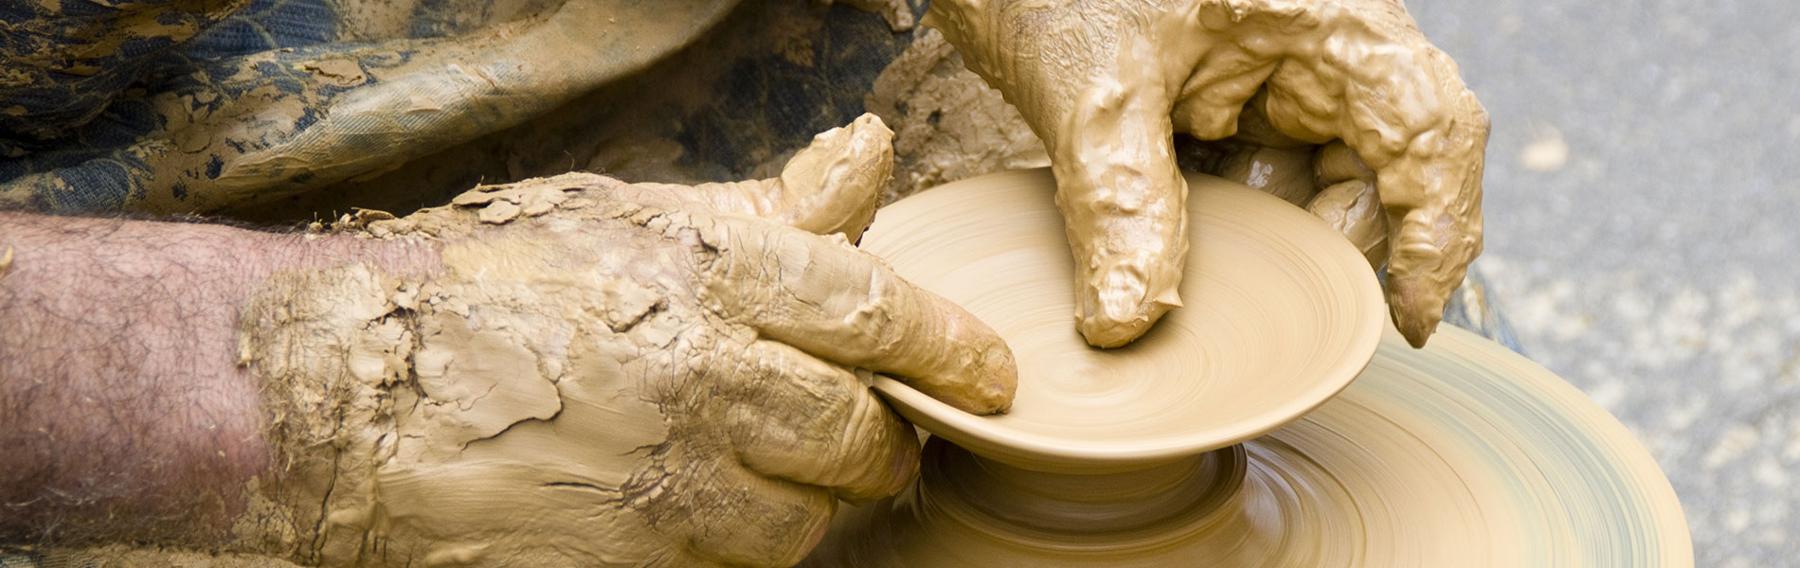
(999, 393)
(1416, 312)
(1120, 308)
(977, 373)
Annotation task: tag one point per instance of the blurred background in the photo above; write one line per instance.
(1643, 217)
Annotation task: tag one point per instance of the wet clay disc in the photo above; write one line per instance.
(1281, 313)
(1460, 454)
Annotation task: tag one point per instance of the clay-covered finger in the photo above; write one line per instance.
(831, 186)
(1286, 173)
(1102, 105)
(1124, 208)
(1353, 209)
(1432, 194)
(738, 518)
(813, 422)
(1336, 163)
(1430, 246)
(842, 305)
(834, 184)
(1401, 106)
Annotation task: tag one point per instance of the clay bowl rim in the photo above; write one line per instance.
(1037, 451)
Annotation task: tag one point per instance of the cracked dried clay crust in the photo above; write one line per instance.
(1106, 85)
(605, 374)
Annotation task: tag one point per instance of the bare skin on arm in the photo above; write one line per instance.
(598, 373)
(122, 412)
(1107, 84)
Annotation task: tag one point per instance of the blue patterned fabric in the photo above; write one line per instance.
(80, 80)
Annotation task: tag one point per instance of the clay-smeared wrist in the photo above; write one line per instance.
(322, 333)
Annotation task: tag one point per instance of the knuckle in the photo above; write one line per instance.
(749, 520)
(871, 324)
(865, 426)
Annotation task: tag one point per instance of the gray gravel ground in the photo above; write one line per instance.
(1643, 217)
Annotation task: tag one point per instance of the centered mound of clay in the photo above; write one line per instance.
(1281, 313)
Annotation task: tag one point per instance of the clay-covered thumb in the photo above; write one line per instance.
(834, 184)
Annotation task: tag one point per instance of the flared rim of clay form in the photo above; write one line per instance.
(1459, 454)
(1281, 314)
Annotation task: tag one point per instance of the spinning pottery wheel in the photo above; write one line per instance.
(1216, 439)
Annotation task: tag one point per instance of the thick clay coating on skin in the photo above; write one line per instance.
(603, 374)
(1107, 84)
(450, 402)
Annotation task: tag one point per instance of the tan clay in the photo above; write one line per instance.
(1290, 314)
(1459, 454)
(604, 374)
(1107, 84)
(948, 125)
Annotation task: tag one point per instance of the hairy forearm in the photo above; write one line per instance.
(124, 413)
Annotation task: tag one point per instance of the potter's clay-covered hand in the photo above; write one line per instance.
(611, 374)
(1108, 84)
